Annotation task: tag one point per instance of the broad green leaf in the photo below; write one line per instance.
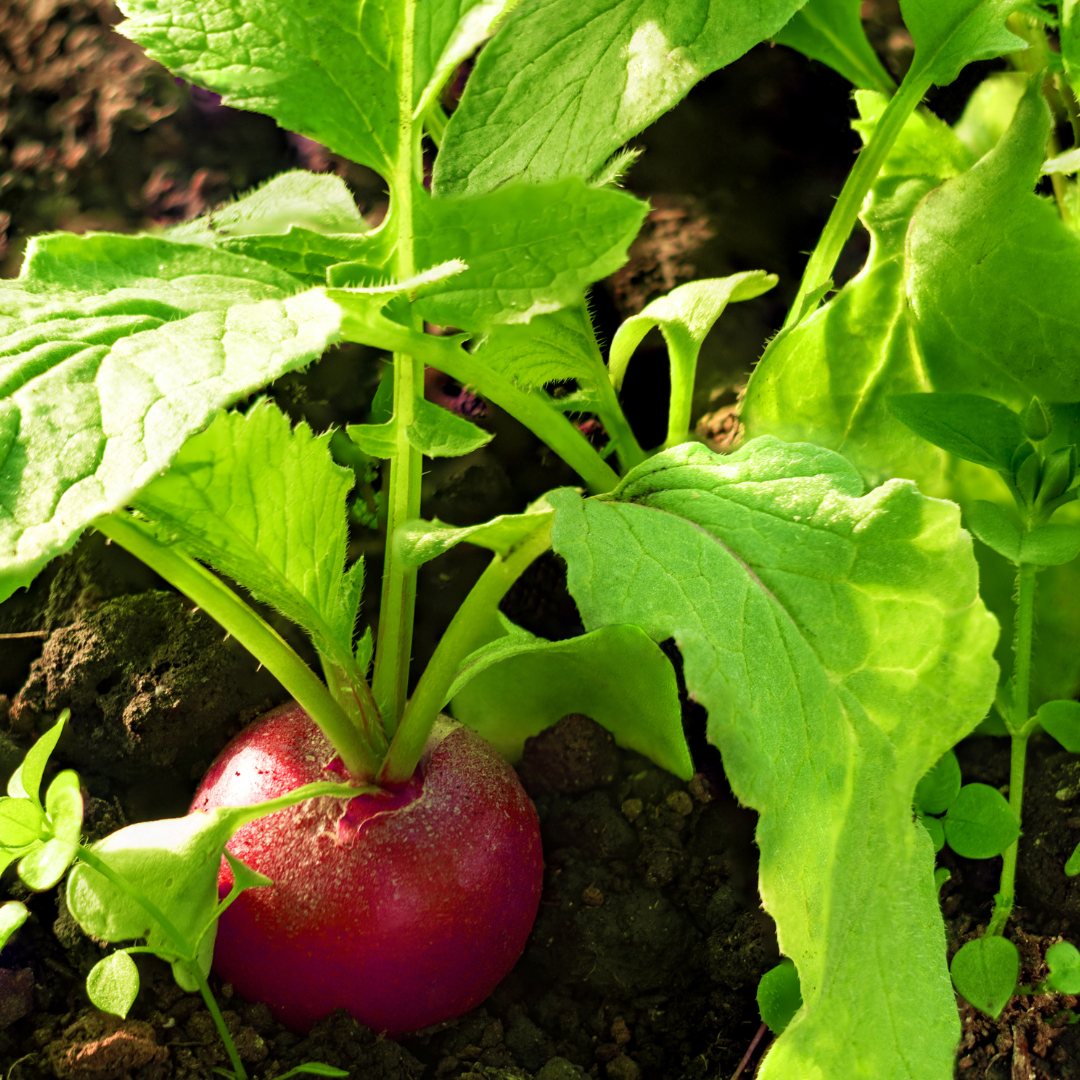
(561, 87)
(985, 972)
(519, 684)
(986, 258)
(990, 110)
(115, 350)
(22, 823)
(1061, 719)
(1051, 545)
(831, 31)
(437, 432)
(12, 916)
(113, 984)
(779, 996)
(47, 863)
(25, 782)
(1063, 960)
(418, 542)
(530, 250)
(950, 34)
(980, 823)
(839, 645)
(937, 789)
(265, 503)
(328, 69)
(972, 427)
(376, 440)
(685, 316)
(995, 528)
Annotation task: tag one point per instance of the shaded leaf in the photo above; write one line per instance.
(937, 789)
(980, 823)
(985, 972)
(975, 428)
(1061, 719)
(779, 996)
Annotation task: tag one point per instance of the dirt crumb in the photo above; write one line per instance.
(103, 1047)
(575, 755)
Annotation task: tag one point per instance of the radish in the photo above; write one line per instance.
(405, 907)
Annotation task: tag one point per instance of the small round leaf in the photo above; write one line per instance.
(779, 995)
(1063, 960)
(985, 971)
(1061, 719)
(980, 823)
(934, 827)
(113, 984)
(937, 789)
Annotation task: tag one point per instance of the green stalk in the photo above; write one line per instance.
(393, 650)
(1020, 726)
(223, 605)
(846, 211)
(464, 634)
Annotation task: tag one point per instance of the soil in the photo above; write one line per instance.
(650, 940)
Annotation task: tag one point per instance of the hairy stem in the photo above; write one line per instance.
(223, 605)
(461, 637)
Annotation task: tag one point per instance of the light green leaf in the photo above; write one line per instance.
(530, 249)
(1061, 719)
(115, 350)
(113, 984)
(685, 316)
(328, 69)
(1067, 163)
(22, 823)
(1063, 960)
(437, 432)
(831, 31)
(25, 782)
(47, 863)
(561, 87)
(519, 684)
(376, 440)
(265, 503)
(1069, 11)
(12, 916)
(417, 542)
(839, 645)
(990, 110)
(985, 972)
(1051, 545)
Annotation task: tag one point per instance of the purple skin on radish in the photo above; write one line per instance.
(405, 907)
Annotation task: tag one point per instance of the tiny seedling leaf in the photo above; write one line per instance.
(1061, 719)
(21, 823)
(980, 823)
(1072, 865)
(113, 984)
(779, 996)
(941, 875)
(985, 971)
(314, 1068)
(1063, 960)
(971, 427)
(25, 782)
(244, 877)
(936, 830)
(995, 528)
(518, 685)
(1051, 545)
(47, 863)
(12, 916)
(937, 789)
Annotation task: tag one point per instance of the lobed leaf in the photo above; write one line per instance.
(840, 647)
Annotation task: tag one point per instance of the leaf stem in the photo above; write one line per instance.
(223, 605)
(461, 637)
(846, 211)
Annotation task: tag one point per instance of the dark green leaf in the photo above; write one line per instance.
(980, 823)
(519, 684)
(1035, 421)
(314, 1068)
(1063, 960)
(937, 789)
(1072, 866)
(779, 996)
(936, 830)
(995, 528)
(975, 428)
(1051, 545)
(113, 984)
(1061, 719)
(985, 972)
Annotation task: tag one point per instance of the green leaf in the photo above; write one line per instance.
(986, 256)
(779, 996)
(1069, 11)
(518, 685)
(936, 790)
(685, 316)
(990, 110)
(22, 823)
(941, 874)
(936, 830)
(265, 503)
(1061, 719)
(47, 863)
(561, 87)
(840, 648)
(985, 972)
(437, 432)
(1072, 866)
(831, 31)
(327, 69)
(115, 350)
(12, 916)
(1063, 960)
(418, 542)
(25, 782)
(530, 249)
(995, 528)
(376, 440)
(1051, 545)
(980, 823)
(113, 984)
(315, 1068)
(950, 34)
(972, 427)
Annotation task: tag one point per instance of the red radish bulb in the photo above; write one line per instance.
(405, 907)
